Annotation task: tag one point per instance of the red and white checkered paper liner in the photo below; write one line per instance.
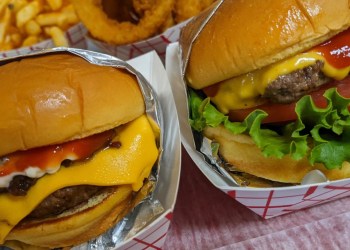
(125, 52)
(272, 202)
(266, 202)
(152, 237)
(75, 36)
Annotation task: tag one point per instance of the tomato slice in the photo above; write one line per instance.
(286, 112)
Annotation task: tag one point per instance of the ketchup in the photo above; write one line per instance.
(53, 155)
(211, 90)
(336, 50)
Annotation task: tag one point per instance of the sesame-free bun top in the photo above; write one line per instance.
(60, 97)
(244, 35)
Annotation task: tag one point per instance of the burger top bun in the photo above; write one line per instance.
(243, 35)
(60, 97)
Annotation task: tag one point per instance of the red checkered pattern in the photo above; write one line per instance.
(129, 51)
(277, 201)
(153, 237)
(75, 36)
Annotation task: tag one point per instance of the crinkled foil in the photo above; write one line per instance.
(203, 145)
(195, 27)
(149, 208)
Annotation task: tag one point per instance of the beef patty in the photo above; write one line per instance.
(64, 199)
(56, 203)
(289, 88)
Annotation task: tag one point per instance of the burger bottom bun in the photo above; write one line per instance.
(75, 226)
(241, 152)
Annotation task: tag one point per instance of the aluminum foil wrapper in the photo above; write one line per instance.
(203, 145)
(149, 208)
(196, 25)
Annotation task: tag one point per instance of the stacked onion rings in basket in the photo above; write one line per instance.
(124, 22)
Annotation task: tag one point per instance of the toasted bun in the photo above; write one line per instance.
(77, 225)
(245, 156)
(40, 96)
(246, 35)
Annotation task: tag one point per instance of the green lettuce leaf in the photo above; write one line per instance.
(327, 128)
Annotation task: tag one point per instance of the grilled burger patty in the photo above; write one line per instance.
(64, 199)
(56, 203)
(289, 88)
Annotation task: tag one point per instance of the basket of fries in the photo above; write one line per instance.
(27, 25)
(127, 29)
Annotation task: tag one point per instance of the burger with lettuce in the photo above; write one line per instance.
(268, 82)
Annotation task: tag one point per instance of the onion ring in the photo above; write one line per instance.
(141, 5)
(185, 9)
(100, 26)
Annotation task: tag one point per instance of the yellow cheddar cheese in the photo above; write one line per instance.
(129, 164)
(245, 91)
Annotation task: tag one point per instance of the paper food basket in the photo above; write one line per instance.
(153, 235)
(266, 202)
(157, 43)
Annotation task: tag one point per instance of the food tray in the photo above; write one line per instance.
(266, 202)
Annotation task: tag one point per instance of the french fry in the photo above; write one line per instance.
(30, 40)
(55, 4)
(57, 36)
(25, 22)
(16, 5)
(28, 12)
(62, 19)
(15, 36)
(32, 28)
(3, 5)
(16, 39)
(69, 16)
(48, 19)
(6, 46)
(4, 24)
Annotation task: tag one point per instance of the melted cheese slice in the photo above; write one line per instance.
(129, 164)
(245, 91)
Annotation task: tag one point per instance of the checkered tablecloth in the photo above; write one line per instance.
(207, 218)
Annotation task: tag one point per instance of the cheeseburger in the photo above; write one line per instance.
(268, 83)
(76, 148)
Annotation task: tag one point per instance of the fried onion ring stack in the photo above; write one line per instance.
(122, 22)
